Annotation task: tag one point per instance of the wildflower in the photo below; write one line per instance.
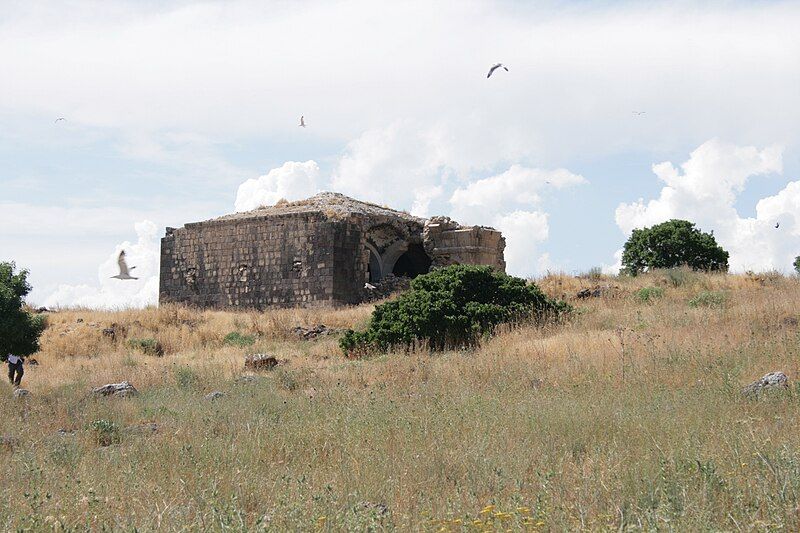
(523, 510)
(488, 509)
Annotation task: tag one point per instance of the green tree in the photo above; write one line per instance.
(797, 264)
(19, 330)
(671, 244)
(452, 306)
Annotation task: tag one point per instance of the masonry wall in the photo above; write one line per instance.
(277, 260)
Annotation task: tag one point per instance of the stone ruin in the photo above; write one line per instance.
(318, 251)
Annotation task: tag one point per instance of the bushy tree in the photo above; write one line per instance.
(671, 244)
(452, 306)
(19, 330)
(797, 264)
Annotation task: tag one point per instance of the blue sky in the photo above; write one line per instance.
(170, 108)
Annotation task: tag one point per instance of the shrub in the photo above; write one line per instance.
(451, 307)
(234, 338)
(648, 294)
(797, 264)
(712, 299)
(147, 346)
(106, 432)
(672, 244)
(19, 330)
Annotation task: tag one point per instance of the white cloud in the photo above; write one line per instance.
(481, 200)
(524, 232)
(503, 201)
(114, 293)
(704, 190)
(291, 181)
(218, 69)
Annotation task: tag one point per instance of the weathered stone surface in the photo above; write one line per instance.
(312, 333)
(259, 361)
(122, 389)
(214, 395)
(771, 381)
(313, 252)
(21, 394)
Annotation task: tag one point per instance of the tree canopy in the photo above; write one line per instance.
(672, 244)
(19, 330)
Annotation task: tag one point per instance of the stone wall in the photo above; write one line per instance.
(282, 260)
(449, 243)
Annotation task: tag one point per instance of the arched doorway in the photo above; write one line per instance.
(374, 266)
(412, 262)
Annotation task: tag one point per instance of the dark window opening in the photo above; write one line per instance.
(413, 262)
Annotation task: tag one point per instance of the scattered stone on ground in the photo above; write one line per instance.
(21, 394)
(313, 333)
(8, 442)
(261, 361)
(246, 379)
(214, 395)
(32, 362)
(384, 288)
(42, 310)
(65, 432)
(379, 508)
(771, 381)
(122, 389)
(790, 321)
(589, 293)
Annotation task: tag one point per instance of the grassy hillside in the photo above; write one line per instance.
(628, 417)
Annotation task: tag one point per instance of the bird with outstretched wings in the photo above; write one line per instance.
(124, 271)
(495, 67)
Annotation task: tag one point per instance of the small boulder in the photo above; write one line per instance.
(214, 395)
(246, 379)
(21, 394)
(259, 361)
(122, 390)
(771, 381)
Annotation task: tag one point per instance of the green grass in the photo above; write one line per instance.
(234, 338)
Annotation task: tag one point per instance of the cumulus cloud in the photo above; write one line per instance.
(504, 201)
(290, 181)
(481, 200)
(705, 189)
(114, 293)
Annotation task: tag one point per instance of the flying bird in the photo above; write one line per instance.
(59, 118)
(638, 112)
(495, 67)
(124, 271)
(777, 225)
(302, 121)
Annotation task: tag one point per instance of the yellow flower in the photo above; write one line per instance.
(523, 510)
(488, 509)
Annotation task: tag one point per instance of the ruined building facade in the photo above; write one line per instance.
(312, 252)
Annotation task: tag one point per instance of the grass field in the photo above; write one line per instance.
(627, 417)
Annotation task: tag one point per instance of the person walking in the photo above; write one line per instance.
(15, 370)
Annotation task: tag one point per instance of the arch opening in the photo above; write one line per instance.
(412, 262)
(374, 265)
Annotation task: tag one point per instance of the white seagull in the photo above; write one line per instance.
(495, 67)
(124, 271)
(302, 121)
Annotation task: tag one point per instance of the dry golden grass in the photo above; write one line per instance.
(629, 416)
